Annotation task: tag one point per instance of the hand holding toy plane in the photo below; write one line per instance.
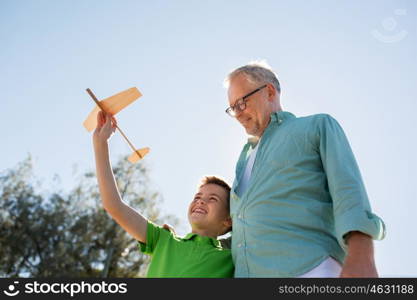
(112, 106)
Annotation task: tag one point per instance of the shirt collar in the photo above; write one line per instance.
(277, 117)
(253, 140)
(203, 239)
(281, 116)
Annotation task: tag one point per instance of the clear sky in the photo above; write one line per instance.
(355, 60)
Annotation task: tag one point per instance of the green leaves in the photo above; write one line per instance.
(71, 235)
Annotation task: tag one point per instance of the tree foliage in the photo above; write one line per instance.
(71, 235)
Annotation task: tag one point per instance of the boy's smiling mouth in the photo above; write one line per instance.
(199, 210)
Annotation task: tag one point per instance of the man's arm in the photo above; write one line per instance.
(359, 261)
(355, 224)
(130, 220)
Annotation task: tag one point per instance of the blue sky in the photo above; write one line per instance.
(330, 56)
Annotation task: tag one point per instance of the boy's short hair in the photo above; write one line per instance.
(219, 181)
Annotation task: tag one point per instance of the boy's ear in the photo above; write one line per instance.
(228, 222)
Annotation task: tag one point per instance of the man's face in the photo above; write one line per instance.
(255, 118)
(208, 210)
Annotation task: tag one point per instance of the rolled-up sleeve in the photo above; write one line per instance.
(351, 208)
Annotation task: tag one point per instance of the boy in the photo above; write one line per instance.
(199, 253)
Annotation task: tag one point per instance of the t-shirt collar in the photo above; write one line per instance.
(202, 239)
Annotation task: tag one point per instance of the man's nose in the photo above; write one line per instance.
(238, 113)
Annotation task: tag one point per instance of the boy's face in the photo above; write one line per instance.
(208, 210)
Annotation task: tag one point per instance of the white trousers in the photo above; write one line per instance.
(329, 268)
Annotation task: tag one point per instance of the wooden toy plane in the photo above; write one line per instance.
(113, 105)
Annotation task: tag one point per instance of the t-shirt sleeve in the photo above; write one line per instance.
(153, 233)
(352, 210)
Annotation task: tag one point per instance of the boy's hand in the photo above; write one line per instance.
(106, 126)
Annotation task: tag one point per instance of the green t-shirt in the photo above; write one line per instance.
(190, 256)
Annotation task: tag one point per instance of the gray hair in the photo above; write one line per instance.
(255, 72)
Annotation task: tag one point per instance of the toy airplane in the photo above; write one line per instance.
(113, 105)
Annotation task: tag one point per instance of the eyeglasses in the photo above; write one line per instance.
(240, 104)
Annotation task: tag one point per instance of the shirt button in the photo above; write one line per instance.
(239, 245)
(240, 216)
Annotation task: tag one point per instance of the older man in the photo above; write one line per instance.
(298, 202)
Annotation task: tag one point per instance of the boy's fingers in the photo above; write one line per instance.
(100, 119)
(107, 121)
(113, 119)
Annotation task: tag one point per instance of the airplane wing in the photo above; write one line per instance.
(112, 105)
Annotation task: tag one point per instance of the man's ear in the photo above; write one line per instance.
(272, 92)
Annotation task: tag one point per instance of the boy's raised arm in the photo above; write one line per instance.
(127, 217)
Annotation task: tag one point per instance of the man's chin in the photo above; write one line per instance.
(250, 131)
(247, 129)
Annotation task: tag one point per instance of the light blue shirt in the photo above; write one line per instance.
(304, 194)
